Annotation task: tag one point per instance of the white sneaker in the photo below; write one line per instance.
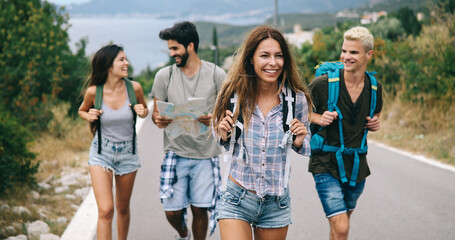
(185, 238)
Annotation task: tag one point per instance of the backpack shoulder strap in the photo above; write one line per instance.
(232, 106)
(332, 69)
(131, 92)
(133, 101)
(98, 101)
(288, 107)
(374, 89)
(98, 97)
(333, 89)
(169, 82)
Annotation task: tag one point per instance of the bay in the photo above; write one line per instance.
(137, 35)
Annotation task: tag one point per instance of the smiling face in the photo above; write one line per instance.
(120, 65)
(268, 61)
(353, 56)
(178, 52)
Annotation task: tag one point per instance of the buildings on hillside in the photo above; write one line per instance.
(298, 37)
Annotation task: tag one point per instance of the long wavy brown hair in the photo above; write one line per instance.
(101, 62)
(242, 77)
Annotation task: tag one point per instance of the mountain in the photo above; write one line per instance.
(395, 5)
(188, 8)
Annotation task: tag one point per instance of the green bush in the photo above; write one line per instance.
(16, 166)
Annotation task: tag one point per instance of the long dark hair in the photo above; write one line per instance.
(101, 62)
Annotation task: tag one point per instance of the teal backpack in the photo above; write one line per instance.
(133, 101)
(318, 144)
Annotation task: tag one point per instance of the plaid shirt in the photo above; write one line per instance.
(263, 168)
(168, 178)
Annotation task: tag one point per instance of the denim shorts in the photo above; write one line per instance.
(115, 156)
(266, 212)
(336, 198)
(195, 185)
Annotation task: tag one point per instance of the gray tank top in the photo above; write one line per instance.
(117, 125)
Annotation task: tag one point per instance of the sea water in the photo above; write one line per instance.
(137, 35)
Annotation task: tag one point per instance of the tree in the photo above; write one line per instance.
(37, 70)
(216, 57)
(409, 21)
(35, 59)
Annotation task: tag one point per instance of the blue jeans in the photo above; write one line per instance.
(115, 156)
(195, 185)
(266, 212)
(336, 198)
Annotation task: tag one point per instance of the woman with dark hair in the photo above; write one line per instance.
(112, 153)
(257, 191)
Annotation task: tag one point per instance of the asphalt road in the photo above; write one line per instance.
(403, 198)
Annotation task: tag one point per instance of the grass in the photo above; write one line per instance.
(63, 149)
(427, 129)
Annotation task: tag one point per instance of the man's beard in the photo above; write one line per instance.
(183, 59)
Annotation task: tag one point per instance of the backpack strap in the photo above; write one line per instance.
(131, 92)
(169, 82)
(289, 99)
(98, 101)
(235, 136)
(133, 101)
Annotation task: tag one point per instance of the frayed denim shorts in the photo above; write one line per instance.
(266, 212)
(336, 198)
(115, 156)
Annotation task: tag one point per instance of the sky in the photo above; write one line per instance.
(64, 2)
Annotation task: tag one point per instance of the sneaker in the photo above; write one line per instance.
(185, 238)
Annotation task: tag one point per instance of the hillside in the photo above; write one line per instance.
(231, 35)
(239, 8)
(394, 5)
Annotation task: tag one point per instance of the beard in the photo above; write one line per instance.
(183, 59)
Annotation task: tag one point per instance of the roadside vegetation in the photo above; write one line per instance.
(414, 63)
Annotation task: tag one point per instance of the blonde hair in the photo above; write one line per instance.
(360, 34)
(241, 78)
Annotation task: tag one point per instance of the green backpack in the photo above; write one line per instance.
(133, 101)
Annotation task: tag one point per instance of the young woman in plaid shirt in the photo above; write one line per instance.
(256, 199)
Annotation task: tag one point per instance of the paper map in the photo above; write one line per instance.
(184, 117)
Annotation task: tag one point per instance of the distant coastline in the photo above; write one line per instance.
(138, 34)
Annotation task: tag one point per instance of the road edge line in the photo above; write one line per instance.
(420, 158)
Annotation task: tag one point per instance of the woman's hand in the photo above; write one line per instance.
(226, 125)
(140, 110)
(298, 129)
(93, 114)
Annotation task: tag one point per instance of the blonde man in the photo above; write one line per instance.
(338, 197)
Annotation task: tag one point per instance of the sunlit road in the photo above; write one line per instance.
(403, 198)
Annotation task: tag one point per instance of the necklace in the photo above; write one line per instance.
(197, 82)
